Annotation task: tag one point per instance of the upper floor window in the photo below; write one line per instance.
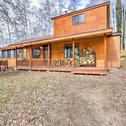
(78, 19)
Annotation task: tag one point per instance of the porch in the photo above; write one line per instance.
(58, 66)
(82, 56)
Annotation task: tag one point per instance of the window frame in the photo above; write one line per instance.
(3, 55)
(78, 22)
(39, 54)
(9, 54)
(19, 50)
(67, 46)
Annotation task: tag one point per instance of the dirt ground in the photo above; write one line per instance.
(63, 99)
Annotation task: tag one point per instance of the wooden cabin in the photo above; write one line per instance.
(82, 42)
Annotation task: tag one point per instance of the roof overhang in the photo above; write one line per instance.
(63, 38)
(71, 37)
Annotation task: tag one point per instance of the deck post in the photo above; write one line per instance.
(73, 47)
(30, 57)
(105, 50)
(48, 54)
(16, 56)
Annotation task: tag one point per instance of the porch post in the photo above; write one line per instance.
(48, 54)
(105, 51)
(73, 47)
(30, 57)
(16, 57)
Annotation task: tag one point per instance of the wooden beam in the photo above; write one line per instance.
(16, 57)
(30, 57)
(105, 51)
(48, 54)
(73, 47)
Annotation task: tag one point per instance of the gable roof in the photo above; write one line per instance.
(82, 10)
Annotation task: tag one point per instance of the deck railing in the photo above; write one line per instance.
(23, 62)
(46, 63)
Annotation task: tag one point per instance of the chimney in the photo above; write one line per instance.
(66, 11)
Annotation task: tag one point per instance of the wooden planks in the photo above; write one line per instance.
(96, 19)
(82, 70)
(113, 51)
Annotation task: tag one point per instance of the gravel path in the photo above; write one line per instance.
(62, 99)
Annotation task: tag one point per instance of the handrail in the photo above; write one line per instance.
(63, 62)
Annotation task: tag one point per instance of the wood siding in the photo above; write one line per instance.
(97, 44)
(11, 62)
(113, 54)
(95, 19)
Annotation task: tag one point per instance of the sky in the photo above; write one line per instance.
(81, 3)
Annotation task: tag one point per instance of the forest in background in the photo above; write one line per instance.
(24, 19)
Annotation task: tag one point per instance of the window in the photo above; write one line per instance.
(76, 50)
(4, 54)
(24, 54)
(68, 51)
(11, 54)
(0, 54)
(36, 53)
(77, 19)
(19, 53)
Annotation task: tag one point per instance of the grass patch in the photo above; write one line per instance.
(4, 99)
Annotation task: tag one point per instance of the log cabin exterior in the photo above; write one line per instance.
(83, 42)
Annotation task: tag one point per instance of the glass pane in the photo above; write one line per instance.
(76, 51)
(81, 18)
(24, 53)
(12, 53)
(0, 54)
(4, 54)
(75, 19)
(36, 53)
(9, 53)
(19, 53)
(69, 52)
(65, 52)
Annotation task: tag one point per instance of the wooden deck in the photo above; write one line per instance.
(74, 70)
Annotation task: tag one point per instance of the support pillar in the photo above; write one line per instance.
(48, 54)
(30, 57)
(105, 51)
(16, 57)
(73, 47)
